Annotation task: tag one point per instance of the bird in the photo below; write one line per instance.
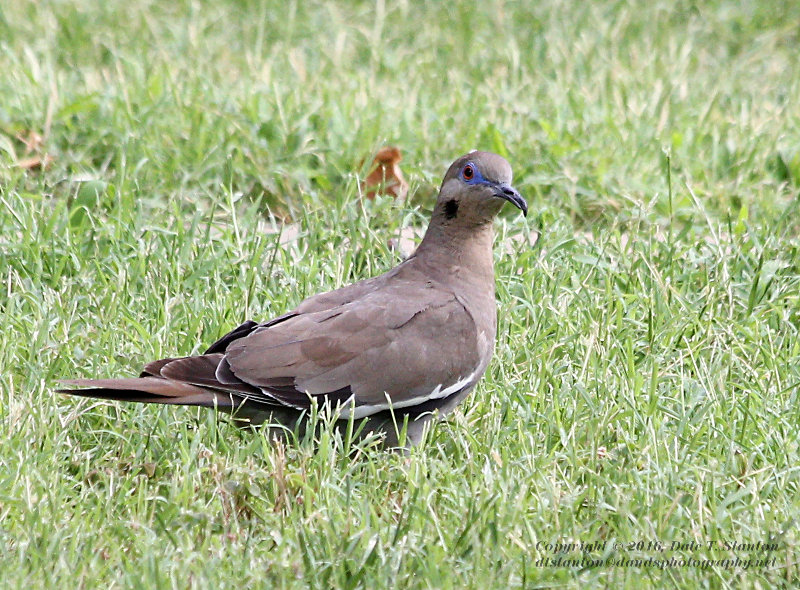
(386, 354)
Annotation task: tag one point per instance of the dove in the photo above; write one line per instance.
(389, 353)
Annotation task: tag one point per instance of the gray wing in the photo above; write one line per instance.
(397, 335)
(409, 342)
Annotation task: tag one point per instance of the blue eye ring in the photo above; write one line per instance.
(469, 173)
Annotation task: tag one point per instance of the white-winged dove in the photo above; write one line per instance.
(394, 349)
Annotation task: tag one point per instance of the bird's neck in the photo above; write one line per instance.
(452, 252)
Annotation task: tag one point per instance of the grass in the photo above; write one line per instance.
(644, 388)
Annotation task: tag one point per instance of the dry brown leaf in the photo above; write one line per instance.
(33, 142)
(520, 241)
(35, 162)
(385, 176)
(289, 232)
(407, 241)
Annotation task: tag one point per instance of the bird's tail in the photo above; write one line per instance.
(156, 390)
(187, 381)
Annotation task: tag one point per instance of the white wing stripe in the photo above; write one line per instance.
(367, 410)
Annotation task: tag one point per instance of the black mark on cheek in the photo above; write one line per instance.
(451, 209)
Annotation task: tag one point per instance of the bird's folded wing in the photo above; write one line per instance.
(411, 343)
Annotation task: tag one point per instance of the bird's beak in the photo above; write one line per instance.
(510, 194)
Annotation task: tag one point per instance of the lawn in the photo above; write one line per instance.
(170, 169)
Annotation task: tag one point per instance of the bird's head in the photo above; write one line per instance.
(475, 188)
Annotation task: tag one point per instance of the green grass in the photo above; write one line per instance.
(645, 383)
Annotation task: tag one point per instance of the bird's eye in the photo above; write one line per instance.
(468, 173)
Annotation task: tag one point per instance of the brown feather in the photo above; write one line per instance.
(153, 385)
(153, 368)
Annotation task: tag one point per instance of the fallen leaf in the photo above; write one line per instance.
(385, 176)
(149, 469)
(520, 241)
(35, 162)
(289, 232)
(407, 241)
(33, 142)
(34, 145)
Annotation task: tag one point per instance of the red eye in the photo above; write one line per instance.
(468, 173)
